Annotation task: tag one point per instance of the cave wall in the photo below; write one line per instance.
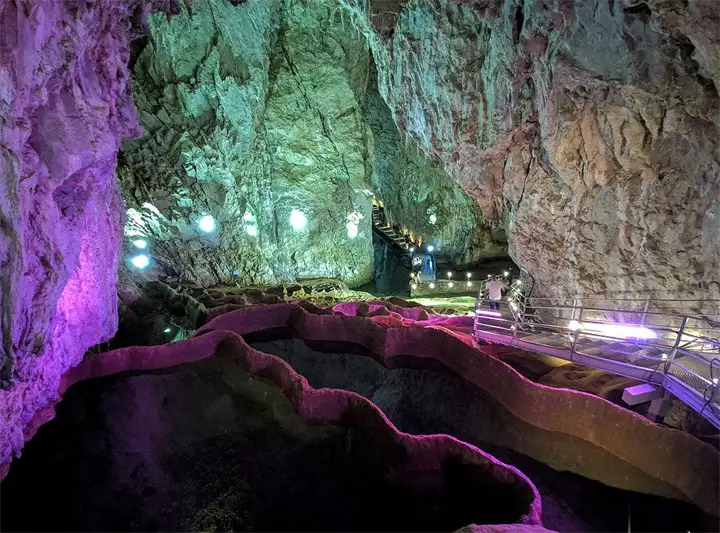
(256, 109)
(64, 107)
(588, 129)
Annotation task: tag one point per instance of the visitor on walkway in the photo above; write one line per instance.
(494, 290)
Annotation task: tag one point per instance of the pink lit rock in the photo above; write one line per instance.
(65, 105)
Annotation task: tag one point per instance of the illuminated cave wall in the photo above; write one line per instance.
(588, 128)
(256, 109)
(65, 105)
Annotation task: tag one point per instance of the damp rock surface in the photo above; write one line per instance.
(424, 399)
(206, 446)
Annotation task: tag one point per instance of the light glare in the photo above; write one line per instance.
(431, 248)
(140, 243)
(207, 223)
(298, 220)
(140, 261)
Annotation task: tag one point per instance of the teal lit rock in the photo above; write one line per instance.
(265, 108)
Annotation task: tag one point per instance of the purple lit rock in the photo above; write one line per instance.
(64, 108)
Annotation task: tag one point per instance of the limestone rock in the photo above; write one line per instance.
(64, 107)
(588, 129)
(256, 110)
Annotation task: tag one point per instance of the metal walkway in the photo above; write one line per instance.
(680, 353)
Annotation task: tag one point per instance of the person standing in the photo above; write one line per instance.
(494, 290)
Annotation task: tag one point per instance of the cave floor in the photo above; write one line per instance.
(429, 401)
(207, 447)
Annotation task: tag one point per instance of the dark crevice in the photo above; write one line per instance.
(519, 20)
(640, 11)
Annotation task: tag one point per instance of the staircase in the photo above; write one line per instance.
(390, 237)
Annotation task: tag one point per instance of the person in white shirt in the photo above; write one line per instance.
(494, 289)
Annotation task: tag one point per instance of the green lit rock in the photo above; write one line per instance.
(249, 115)
(263, 109)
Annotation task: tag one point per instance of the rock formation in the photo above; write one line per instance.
(587, 128)
(258, 109)
(65, 105)
(482, 488)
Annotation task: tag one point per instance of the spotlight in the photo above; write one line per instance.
(140, 243)
(574, 325)
(518, 282)
(432, 285)
(251, 230)
(166, 330)
(207, 223)
(469, 275)
(140, 261)
(412, 275)
(451, 284)
(298, 220)
(469, 284)
(412, 249)
(430, 248)
(449, 274)
(489, 276)
(506, 273)
(413, 286)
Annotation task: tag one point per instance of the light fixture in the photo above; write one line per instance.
(432, 285)
(518, 282)
(449, 274)
(251, 230)
(574, 325)
(298, 220)
(140, 261)
(469, 284)
(412, 249)
(451, 284)
(664, 357)
(506, 273)
(166, 330)
(430, 248)
(489, 276)
(413, 286)
(433, 219)
(207, 223)
(412, 275)
(469, 275)
(140, 243)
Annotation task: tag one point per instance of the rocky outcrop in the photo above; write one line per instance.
(257, 109)
(556, 423)
(64, 107)
(587, 129)
(500, 493)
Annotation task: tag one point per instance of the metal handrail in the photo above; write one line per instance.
(662, 361)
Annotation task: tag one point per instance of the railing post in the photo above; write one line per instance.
(678, 340)
(645, 311)
(577, 334)
(515, 328)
